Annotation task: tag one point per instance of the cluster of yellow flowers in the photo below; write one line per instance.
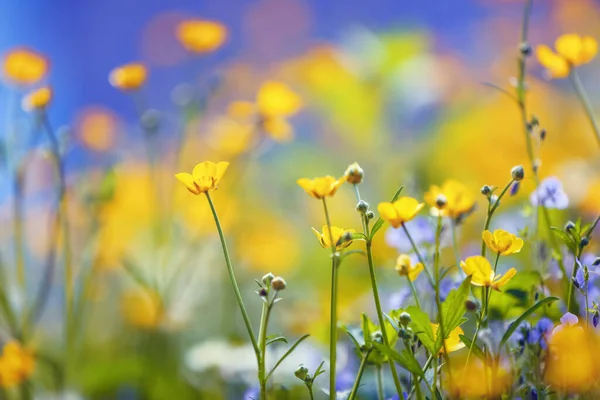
(571, 51)
(16, 364)
(25, 67)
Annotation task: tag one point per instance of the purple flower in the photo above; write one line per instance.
(252, 393)
(579, 279)
(514, 188)
(420, 230)
(566, 321)
(550, 194)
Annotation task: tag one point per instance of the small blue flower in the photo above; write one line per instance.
(514, 188)
(421, 230)
(550, 194)
(595, 318)
(252, 393)
(569, 319)
(579, 279)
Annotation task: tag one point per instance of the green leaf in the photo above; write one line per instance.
(513, 327)
(319, 371)
(278, 337)
(366, 328)
(566, 239)
(454, 307)
(379, 223)
(476, 349)
(421, 326)
(404, 358)
(287, 353)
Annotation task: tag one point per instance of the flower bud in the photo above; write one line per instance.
(471, 305)
(596, 262)
(518, 173)
(569, 226)
(362, 207)
(493, 199)
(354, 174)
(278, 283)
(405, 319)
(370, 214)
(543, 134)
(441, 201)
(346, 237)
(150, 120)
(262, 292)
(301, 372)
(585, 241)
(377, 337)
(486, 190)
(268, 278)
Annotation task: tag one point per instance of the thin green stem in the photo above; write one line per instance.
(491, 211)
(455, 243)
(333, 305)
(379, 376)
(585, 101)
(310, 392)
(570, 294)
(419, 379)
(418, 253)
(234, 283)
(414, 292)
(361, 370)
(262, 340)
(438, 301)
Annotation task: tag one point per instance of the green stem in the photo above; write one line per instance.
(491, 211)
(379, 375)
(585, 101)
(234, 283)
(419, 379)
(18, 229)
(570, 294)
(418, 253)
(310, 392)
(414, 292)
(262, 340)
(455, 243)
(333, 305)
(438, 301)
(361, 370)
(380, 316)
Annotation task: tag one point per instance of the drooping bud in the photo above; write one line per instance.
(278, 283)
(518, 173)
(486, 190)
(569, 226)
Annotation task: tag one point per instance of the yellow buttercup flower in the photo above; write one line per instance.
(320, 188)
(24, 66)
(405, 267)
(452, 342)
(480, 270)
(402, 210)
(277, 99)
(474, 380)
(204, 178)
(459, 200)
(572, 50)
(502, 242)
(201, 36)
(37, 99)
(16, 364)
(128, 77)
(336, 233)
(142, 308)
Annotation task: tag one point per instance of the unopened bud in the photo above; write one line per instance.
(486, 190)
(585, 241)
(262, 292)
(518, 173)
(370, 215)
(354, 174)
(301, 372)
(362, 207)
(268, 278)
(596, 262)
(346, 237)
(525, 49)
(377, 337)
(405, 319)
(441, 201)
(150, 120)
(570, 226)
(278, 283)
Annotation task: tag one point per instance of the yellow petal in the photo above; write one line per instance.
(589, 49)
(407, 208)
(241, 110)
(307, 185)
(480, 270)
(277, 99)
(556, 65)
(188, 181)
(319, 237)
(220, 170)
(569, 47)
(488, 238)
(278, 129)
(453, 341)
(204, 169)
(502, 280)
(515, 247)
(414, 272)
(388, 213)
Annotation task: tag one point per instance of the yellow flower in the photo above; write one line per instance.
(404, 267)
(502, 242)
(571, 51)
(128, 77)
(474, 380)
(24, 67)
(402, 210)
(205, 177)
(452, 342)
(336, 233)
(278, 129)
(277, 99)
(480, 270)
(320, 188)
(458, 199)
(201, 36)
(37, 99)
(142, 308)
(16, 364)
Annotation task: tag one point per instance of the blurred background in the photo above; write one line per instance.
(396, 86)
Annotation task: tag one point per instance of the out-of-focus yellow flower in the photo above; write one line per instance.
(405, 267)
(458, 199)
(402, 210)
(478, 380)
(320, 188)
(128, 77)
(277, 99)
(480, 270)
(571, 362)
(204, 178)
(38, 99)
(96, 128)
(201, 36)
(502, 242)
(572, 50)
(452, 342)
(275, 102)
(229, 136)
(23, 66)
(142, 308)
(336, 233)
(16, 364)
